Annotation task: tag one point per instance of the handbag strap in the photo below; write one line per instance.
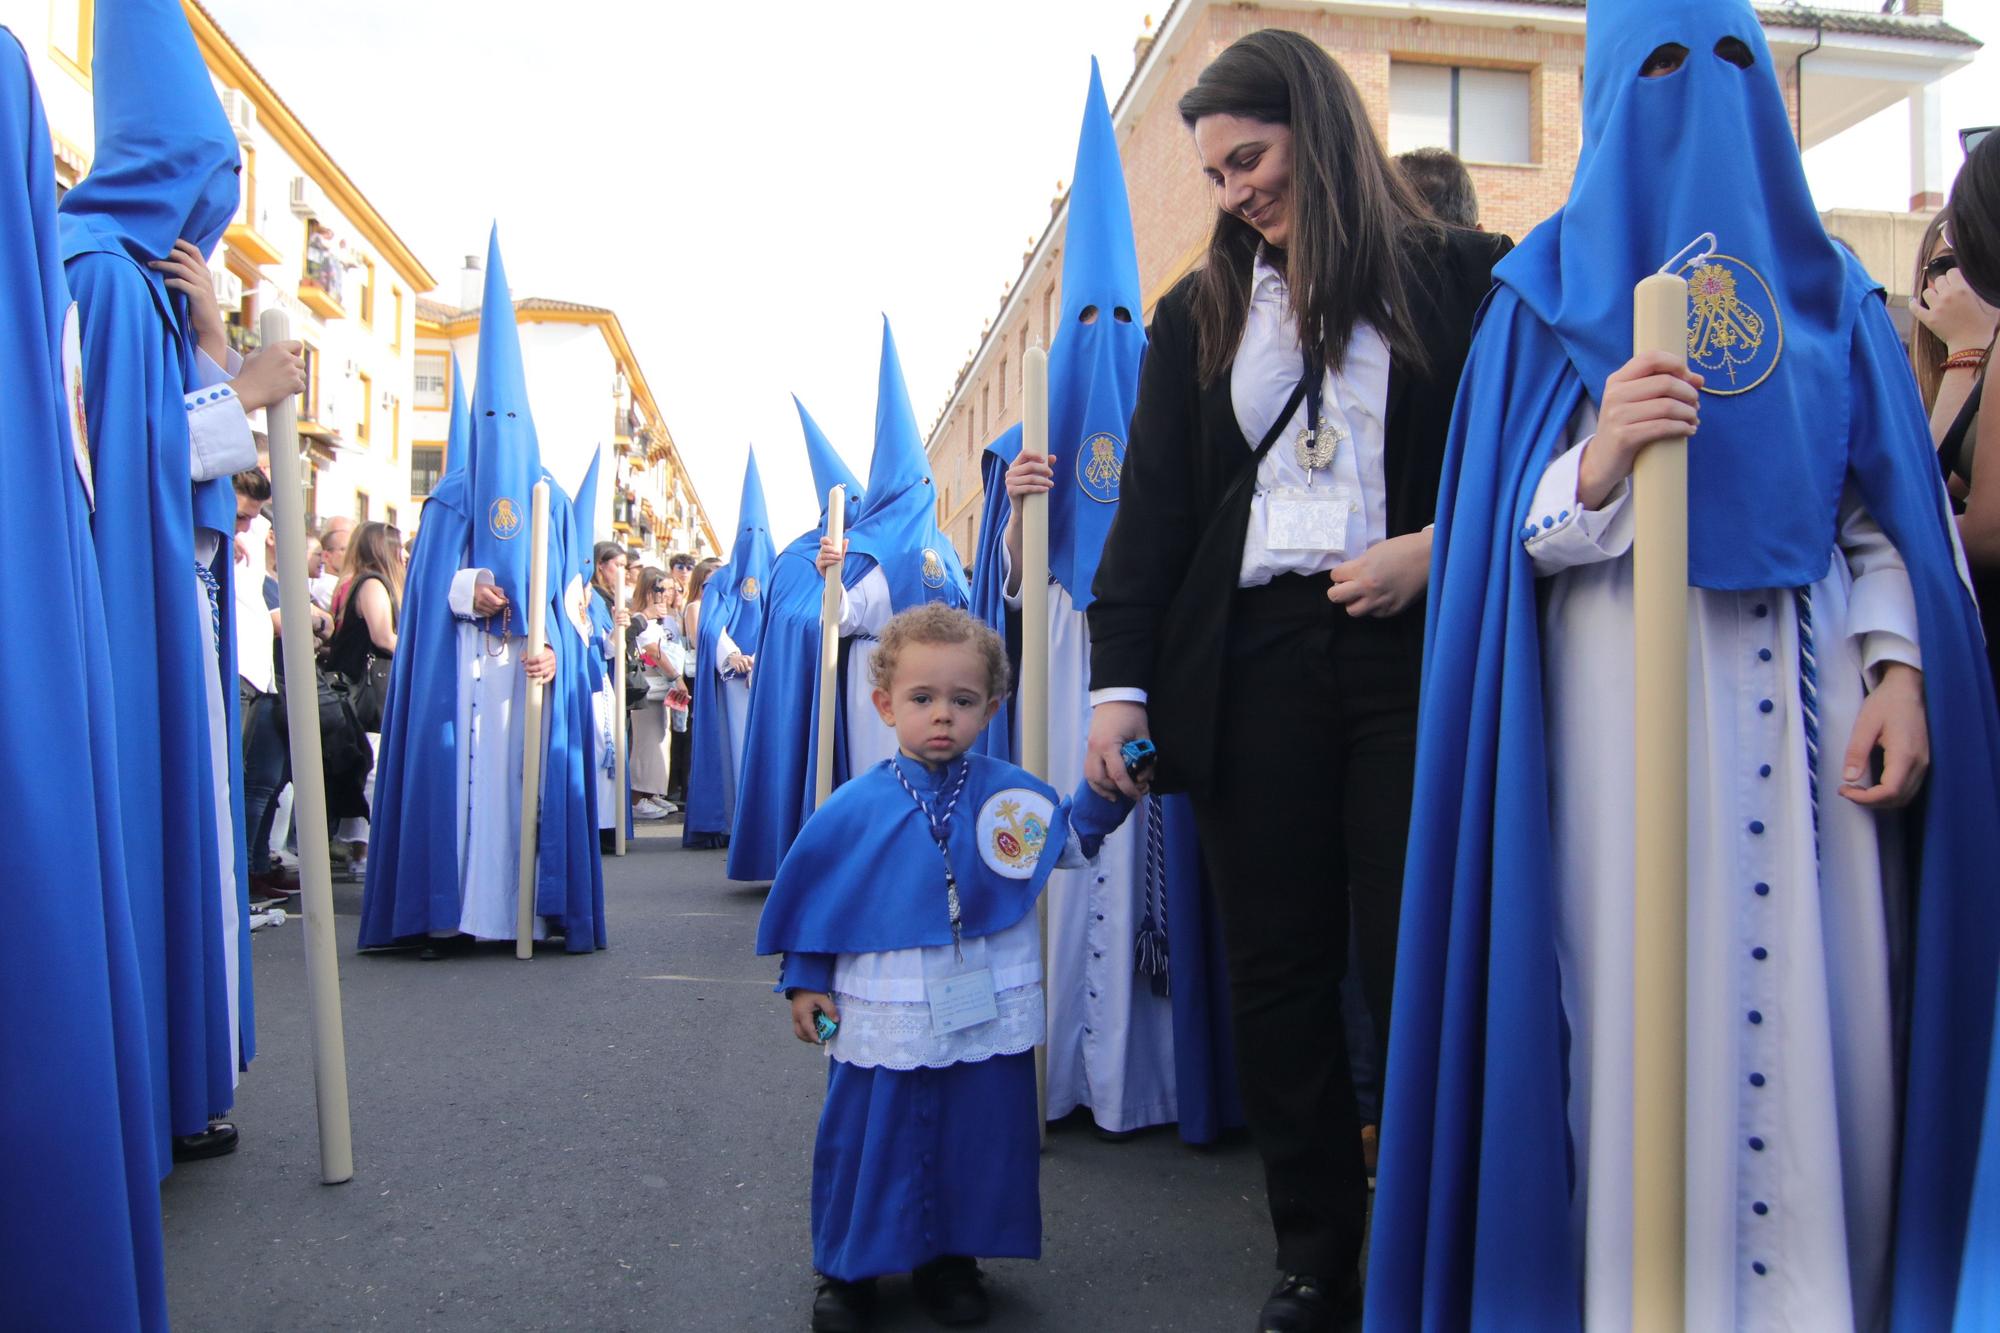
(1246, 474)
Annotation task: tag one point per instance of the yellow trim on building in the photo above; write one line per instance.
(320, 303)
(252, 244)
(228, 63)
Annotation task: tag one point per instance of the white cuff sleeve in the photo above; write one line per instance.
(1118, 694)
(1560, 534)
(725, 648)
(219, 439)
(865, 608)
(463, 585)
(1881, 605)
(1012, 599)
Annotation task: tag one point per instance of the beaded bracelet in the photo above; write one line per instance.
(1970, 359)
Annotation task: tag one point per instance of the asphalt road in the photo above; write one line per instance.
(622, 1140)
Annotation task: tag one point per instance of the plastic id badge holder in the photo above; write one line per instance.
(1307, 518)
(960, 990)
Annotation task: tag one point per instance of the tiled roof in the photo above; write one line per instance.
(445, 314)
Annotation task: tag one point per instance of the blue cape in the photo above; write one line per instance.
(867, 876)
(1094, 358)
(79, 1178)
(897, 529)
(165, 169)
(774, 791)
(733, 600)
(1472, 1218)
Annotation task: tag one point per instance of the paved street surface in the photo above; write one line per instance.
(622, 1141)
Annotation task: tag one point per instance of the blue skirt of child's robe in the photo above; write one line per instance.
(914, 1164)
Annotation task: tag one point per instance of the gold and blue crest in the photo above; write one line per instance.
(503, 518)
(933, 569)
(1735, 331)
(1099, 464)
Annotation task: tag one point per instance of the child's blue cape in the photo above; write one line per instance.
(865, 875)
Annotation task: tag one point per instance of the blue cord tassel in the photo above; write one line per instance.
(1150, 952)
(1809, 702)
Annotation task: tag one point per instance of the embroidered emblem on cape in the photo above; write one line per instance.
(747, 589)
(1099, 463)
(1013, 828)
(576, 604)
(1735, 332)
(504, 519)
(933, 569)
(79, 429)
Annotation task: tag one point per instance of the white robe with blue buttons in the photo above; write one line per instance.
(1792, 953)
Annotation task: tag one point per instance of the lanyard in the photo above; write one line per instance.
(940, 829)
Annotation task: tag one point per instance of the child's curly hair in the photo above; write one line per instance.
(934, 622)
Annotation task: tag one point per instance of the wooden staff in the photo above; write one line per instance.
(1032, 697)
(1659, 917)
(619, 718)
(531, 726)
(329, 1041)
(829, 649)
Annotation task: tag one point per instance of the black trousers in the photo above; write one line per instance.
(1310, 803)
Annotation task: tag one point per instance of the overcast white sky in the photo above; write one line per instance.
(750, 188)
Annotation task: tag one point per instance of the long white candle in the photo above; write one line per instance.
(829, 649)
(1659, 971)
(531, 725)
(329, 1040)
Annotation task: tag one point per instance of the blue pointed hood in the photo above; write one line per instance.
(828, 468)
(750, 561)
(897, 528)
(458, 439)
(1094, 362)
(166, 160)
(1708, 148)
(506, 457)
(585, 508)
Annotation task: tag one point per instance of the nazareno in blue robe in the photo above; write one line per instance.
(166, 169)
(732, 600)
(1472, 1222)
(413, 886)
(910, 1165)
(413, 864)
(80, 1238)
(774, 791)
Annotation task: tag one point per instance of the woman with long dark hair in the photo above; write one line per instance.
(364, 640)
(1258, 608)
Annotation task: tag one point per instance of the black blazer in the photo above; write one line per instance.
(1168, 573)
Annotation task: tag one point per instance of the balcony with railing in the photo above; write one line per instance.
(320, 286)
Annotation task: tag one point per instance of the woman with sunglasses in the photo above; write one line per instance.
(1948, 346)
(655, 631)
(1972, 230)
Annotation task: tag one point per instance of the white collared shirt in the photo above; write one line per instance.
(1268, 365)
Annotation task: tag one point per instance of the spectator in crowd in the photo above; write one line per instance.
(362, 648)
(682, 762)
(257, 625)
(657, 661)
(1972, 231)
(1443, 183)
(607, 613)
(333, 537)
(680, 566)
(1272, 646)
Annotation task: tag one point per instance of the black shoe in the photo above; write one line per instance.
(445, 946)
(218, 1140)
(1301, 1303)
(842, 1307)
(952, 1290)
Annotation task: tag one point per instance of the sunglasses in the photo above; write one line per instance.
(1938, 267)
(1972, 136)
